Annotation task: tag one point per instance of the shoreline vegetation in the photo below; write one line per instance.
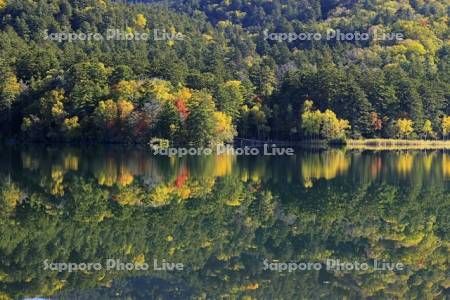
(397, 144)
(352, 144)
(318, 144)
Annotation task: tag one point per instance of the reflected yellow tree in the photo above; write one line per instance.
(405, 163)
(326, 165)
(10, 194)
(446, 164)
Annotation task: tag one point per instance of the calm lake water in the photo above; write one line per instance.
(232, 223)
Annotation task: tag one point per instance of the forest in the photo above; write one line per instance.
(224, 78)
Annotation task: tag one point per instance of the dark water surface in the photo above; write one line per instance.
(230, 222)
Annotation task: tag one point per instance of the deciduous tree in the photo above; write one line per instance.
(405, 128)
(427, 129)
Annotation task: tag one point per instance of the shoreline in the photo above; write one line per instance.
(362, 144)
(396, 144)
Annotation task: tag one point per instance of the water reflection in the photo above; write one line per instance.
(114, 167)
(221, 217)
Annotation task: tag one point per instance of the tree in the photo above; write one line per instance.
(445, 126)
(9, 89)
(71, 128)
(254, 122)
(311, 120)
(263, 76)
(224, 130)
(52, 113)
(409, 101)
(124, 109)
(52, 104)
(106, 112)
(332, 127)
(121, 72)
(427, 129)
(229, 98)
(326, 124)
(87, 83)
(200, 124)
(32, 127)
(160, 89)
(127, 89)
(405, 128)
(377, 123)
(169, 125)
(349, 101)
(140, 21)
(10, 195)
(182, 109)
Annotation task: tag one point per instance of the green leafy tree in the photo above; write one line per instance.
(200, 124)
(427, 129)
(87, 84)
(229, 98)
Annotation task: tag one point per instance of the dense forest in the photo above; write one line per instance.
(226, 76)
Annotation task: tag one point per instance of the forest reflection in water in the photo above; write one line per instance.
(221, 216)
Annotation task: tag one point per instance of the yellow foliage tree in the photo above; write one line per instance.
(128, 89)
(446, 165)
(224, 129)
(140, 21)
(445, 126)
(161, 195)
(9, 88)
(223, 165)
(236, 84)
(332, 127)
(325, 165)
(161, 89)
(107, 112)
(184, 94)
(57, 184)
(128, 196)
(326, 124)
(52, 103)
(414, 47)
(124, 108)
(107, 174)
(71, 162)
(405, 163)
(10, 194)
(125, 177)
(71, 125)
(425, 38)
(311, 120)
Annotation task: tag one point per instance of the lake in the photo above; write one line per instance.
(117, 222)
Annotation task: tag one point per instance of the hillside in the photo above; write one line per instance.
(232, 71)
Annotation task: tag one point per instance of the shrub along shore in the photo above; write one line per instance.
(397, 144)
